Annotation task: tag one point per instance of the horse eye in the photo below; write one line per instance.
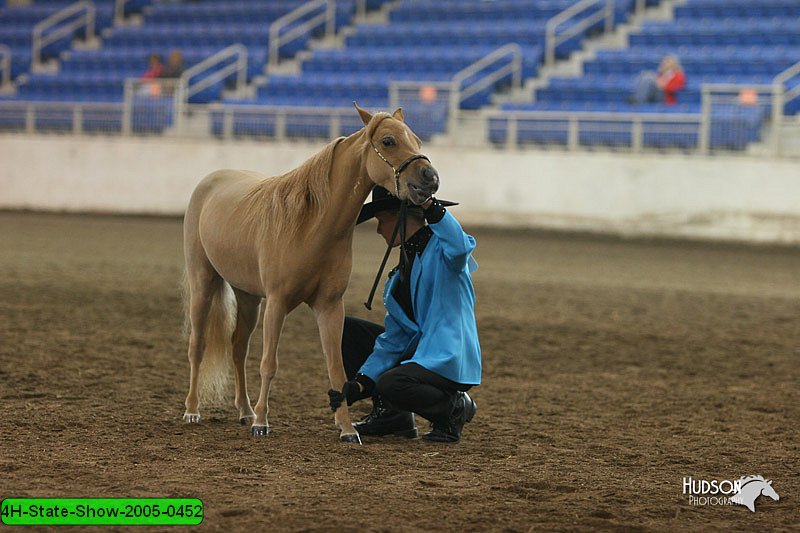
(388, 141)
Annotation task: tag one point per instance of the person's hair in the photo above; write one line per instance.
(675, 61)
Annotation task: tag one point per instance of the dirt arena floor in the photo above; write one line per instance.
(612, 369)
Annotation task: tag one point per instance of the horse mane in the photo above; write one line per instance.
(302, 194)
(289, 200)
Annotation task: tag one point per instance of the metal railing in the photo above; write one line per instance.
(185, 89)
(568, 127)
(459, 94)
(150, 102)
(5, 65)
(552, 36)
(731, 127)
(774, 95)
(279, 122)
(87, 19)
(119, 11)
(276, 39)
(785, 76)
(731, 97)
(781, 97)
(65, 117)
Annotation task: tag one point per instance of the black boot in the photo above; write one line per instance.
(382, 421)
(464, 409)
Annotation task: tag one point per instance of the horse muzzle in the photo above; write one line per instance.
(425, 187)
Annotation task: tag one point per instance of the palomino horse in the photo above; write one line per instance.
(286, 240)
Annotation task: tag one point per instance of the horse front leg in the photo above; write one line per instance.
(330, 320)
(274, 316)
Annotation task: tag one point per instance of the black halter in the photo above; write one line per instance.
(399, 226)
(402, 166)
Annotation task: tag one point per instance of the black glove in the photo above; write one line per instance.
(435, 212)
(350, 392)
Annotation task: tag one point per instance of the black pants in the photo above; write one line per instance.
(406, 387)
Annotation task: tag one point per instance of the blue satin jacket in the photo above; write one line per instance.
(444, 339)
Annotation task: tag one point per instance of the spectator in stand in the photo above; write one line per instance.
(175, 66)
(155, 67)
(652, 87)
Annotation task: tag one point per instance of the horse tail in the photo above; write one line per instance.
(217, 365)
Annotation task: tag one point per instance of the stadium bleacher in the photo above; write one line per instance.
(424, 42)
(439, 42)
(198, 29)
(717, 41)
(17, 23)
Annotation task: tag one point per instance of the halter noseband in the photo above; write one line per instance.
(402, 166)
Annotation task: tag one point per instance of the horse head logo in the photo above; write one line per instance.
(751, 487)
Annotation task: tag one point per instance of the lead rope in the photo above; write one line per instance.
(401, 223)
(403, 255)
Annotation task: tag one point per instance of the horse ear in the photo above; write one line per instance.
(769, 482)
(365, 115)
(398, 114)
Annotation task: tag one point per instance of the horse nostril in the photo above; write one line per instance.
(430, 178)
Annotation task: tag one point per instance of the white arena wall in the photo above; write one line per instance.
(722, 197)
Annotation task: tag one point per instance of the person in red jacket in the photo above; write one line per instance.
(671, 79)
(651, 87)
(155, 67)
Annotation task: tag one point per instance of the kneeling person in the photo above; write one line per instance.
(427, 355)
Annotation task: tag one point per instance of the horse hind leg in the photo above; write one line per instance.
(211, 318)
(246, 320)
(201, 293)
(274, 317)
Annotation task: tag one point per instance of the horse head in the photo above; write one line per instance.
(394, 160)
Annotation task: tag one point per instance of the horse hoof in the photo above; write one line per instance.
(190, 418)
(351, 437)
(246, 420)
(260, 431)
